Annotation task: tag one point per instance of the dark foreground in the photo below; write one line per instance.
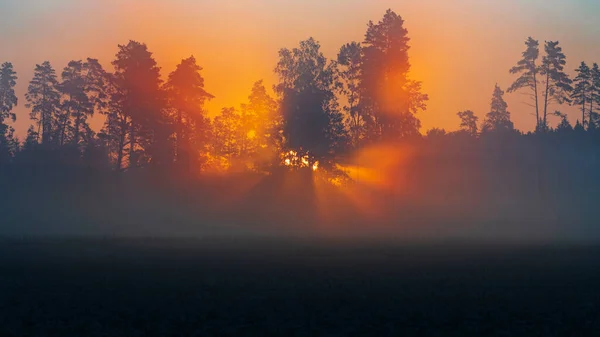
(232, 287)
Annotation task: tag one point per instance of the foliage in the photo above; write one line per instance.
(389, 99)
(43, 98)
(498, 118)
(350, 71)
(187, 96)
(468, 122)
(557, 82)
(312, 123)
(529, 70)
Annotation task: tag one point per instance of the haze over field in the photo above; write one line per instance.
(464, 118)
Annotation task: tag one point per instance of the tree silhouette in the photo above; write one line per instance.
(557, 83)
(468, 121)
(350, 63)
(187, 96)
(82, 88)
(582, 92)
(96, 79)
(261, 124)
(312, 124)
(43, 98)
(138, 77)
(564, 125)
(117, 123)
(227, 137)
(8, 100)
(498, 119)
(579, 127)
(436, 134)
(594, 92)
(31, 140)
(389, 97)
(528, 70)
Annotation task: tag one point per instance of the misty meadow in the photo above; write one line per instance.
(336, 148)
(320, 204)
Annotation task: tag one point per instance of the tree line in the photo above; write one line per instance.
(322, 110)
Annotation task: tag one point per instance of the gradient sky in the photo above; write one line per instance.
(460, 48)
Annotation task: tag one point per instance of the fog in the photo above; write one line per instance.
(416, 191)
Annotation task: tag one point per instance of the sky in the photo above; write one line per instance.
(459, 49)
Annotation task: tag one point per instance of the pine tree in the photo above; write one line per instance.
(468, 121)
(187, 96)
(350, 62)
(529, 70)
(557, 83)
(138, 77)
(594, 92)
(31, 140)
(43, 98)
(75, 103)
(8, 100)
(389, 98)
(117, 123)
(83, 93)
(498, 119)
(582, 91)
(564, 125)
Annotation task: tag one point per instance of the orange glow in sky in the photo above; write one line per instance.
(460, 49)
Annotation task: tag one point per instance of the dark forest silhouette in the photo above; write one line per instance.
(352, 121)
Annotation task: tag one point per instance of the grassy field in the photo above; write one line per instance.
(242, 287)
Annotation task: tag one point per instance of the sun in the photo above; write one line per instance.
(294, 160)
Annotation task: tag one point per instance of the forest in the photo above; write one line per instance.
(339, 143)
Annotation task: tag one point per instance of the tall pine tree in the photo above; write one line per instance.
(185, 88)
(8, 100)
(557, 84)
(528, 69)
(350, 63)
(594, 92)
(43, 98)
(138, 77)
(389, 98)
(582, 90)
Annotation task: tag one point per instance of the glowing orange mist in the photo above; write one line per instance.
(377, 178)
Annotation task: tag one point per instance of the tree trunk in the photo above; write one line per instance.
(38, 132)
(121, 146)
(43, 122)
(545, 125)
(179, 138)
(591, 111)
(583, 113)
(535, 89)
(77, 124)
(132, 161)
(63, 128)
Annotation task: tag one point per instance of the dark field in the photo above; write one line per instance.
(229, 287)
